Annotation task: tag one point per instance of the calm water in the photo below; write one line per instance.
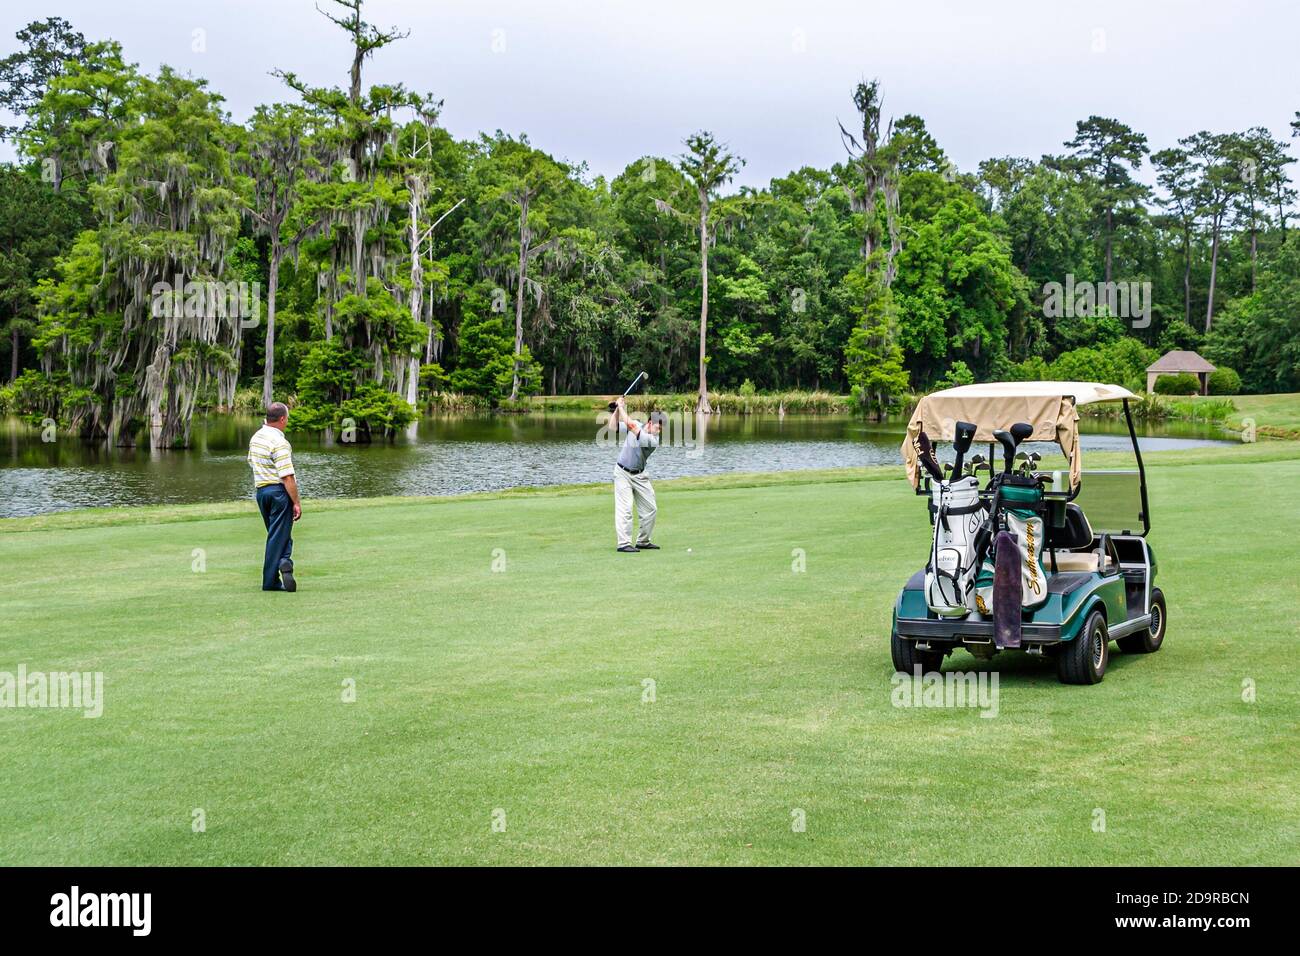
(450, 455)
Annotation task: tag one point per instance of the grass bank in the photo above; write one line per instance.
(1275, 416)
(501, 651)
(723, 403)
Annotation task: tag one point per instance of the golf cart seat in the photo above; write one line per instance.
(1075, 545)
(1089, 561)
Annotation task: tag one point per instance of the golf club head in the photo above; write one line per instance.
(925, 454)
(1010, 439)
(963, 435)
(1008, 449)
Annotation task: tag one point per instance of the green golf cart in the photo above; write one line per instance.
(1029, 552)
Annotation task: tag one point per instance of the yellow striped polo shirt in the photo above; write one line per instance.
(270, 455)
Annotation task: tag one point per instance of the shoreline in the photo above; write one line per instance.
(113, 515)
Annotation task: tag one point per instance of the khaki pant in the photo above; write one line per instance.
(629, 489)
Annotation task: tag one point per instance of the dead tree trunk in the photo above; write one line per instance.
(702, 403)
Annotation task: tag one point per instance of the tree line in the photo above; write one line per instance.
(391, 264)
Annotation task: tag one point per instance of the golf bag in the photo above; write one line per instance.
(1019, 507)
(950, 572)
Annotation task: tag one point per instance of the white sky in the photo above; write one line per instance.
(608, 81)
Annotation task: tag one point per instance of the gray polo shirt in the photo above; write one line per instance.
(636, 448)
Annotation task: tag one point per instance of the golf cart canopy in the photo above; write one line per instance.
(1050, 407)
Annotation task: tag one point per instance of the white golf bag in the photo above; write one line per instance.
(950, 572)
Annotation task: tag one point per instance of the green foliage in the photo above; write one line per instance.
(1224, 381)
(1042, 208)
(486, 362)
(248, 400)
(1107, 152)
(1120, 362)
(1148, 408)
(433, 378)
(333, 393)
(1179, 336)
(1259, 334)
(26, 75)
(874, 362)
(958, 373)
(957, 290)
(735, 403)
(609, 285)
(1181, 384)
(36, 225)
(1204, 410)
(1033, 369)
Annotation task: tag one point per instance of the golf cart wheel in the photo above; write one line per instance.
(1083, 660)
(1148, 641)
(907, 657)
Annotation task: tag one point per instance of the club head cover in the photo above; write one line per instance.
(925, 454)
(963, 435)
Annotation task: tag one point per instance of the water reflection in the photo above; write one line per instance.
(454, 454)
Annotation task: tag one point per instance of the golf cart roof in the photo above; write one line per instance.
(1050, 407)
(1083, 393)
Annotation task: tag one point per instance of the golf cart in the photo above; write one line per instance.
(1026, 555)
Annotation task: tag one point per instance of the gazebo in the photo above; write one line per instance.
(1179, 362)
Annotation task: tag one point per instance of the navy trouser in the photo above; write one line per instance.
(277, 513)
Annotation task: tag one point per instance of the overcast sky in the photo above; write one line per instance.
(607, 81)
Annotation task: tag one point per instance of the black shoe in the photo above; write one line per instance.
(648, 547)
(286, 575)
(628, 549)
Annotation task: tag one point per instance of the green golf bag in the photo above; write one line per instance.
(1020, 508)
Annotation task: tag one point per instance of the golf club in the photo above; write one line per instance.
(963, 435)
(1009, 440)
(635, 381)
(926, 456)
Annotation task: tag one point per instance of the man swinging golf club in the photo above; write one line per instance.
(271, 458)
(631, 486)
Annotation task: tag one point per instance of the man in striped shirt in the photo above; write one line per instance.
(271, 457)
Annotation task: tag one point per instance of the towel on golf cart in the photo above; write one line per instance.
(1019, 505)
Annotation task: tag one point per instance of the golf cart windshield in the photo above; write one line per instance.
(1051, 408)
(1112, 500)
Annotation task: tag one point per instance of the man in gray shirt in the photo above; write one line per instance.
(631, 486)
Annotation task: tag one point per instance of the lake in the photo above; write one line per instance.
(453, 454)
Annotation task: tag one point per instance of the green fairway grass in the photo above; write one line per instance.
(521, 695)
